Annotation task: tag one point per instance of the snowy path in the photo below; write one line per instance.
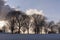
(29, 37)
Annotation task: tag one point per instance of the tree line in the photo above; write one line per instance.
(22, 23)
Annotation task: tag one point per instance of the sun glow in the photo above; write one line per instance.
(2, 23)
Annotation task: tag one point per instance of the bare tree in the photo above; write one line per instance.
(51, 26)
(24, 21)
(39, 22)
(58, 24)
(12, 16)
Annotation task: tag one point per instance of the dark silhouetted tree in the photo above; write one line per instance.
(24, 21)
(39, 22)
(12, 16)
(51, 25)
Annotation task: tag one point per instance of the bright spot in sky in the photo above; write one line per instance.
(34, 11)
(2, 23)
(5, 0)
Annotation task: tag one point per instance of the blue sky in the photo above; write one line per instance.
(51, 8)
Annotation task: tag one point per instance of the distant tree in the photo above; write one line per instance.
(58, 23)
(24, 21)
(20, 20)
(46, 27)
(51, 25)
(12, 16)
(39, 22)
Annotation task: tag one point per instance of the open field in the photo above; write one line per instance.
(29, 37)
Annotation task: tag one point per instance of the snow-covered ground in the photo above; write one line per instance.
(29, 37)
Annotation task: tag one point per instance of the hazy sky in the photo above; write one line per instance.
(51, 8)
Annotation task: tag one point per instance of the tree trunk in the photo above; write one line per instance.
(41, 30)
(19, 28)
(19, 25)
(28, 30)
(12, 26)
(36, 30)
